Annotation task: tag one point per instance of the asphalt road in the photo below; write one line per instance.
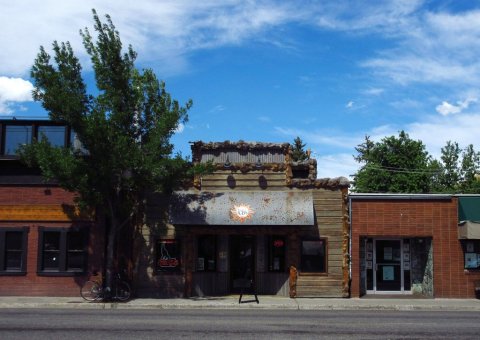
(235, 324)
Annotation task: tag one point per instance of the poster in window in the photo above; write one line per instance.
(387, 253)
(369, 265)
(369, 256)
(470, 247)
(471, 260)
(388, 273)
(406, 265)
(406, 257)
(406, 247)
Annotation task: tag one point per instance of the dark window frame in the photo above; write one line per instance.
(325, 256)
(3, 250)
(63, 251)
(178, 250)
(35, 125)
(270, 246)
(205, 266)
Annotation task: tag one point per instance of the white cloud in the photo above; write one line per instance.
(433, 47)
(218, 108)
(446, 108)
(165, 30)
(264, 119)
(13, 91)
(180, 128)
(349, 105)
(335, 165)
(374, 91)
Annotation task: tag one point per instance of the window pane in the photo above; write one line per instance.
(76, 251)
(276, 253)
(13, 240)
(75, 240)
(16, 135)
(54, 134)
(13, 260)
(51, 250)
(51, 240)
(51, 260)
(167, 255)
(313, 256)
(75, 260)
(206, 259)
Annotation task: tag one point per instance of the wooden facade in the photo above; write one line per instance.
(264, 178)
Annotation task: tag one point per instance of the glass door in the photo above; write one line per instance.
(242, 262)
(388, 266)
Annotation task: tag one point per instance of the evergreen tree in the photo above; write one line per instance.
(298, 152)
(125, 129)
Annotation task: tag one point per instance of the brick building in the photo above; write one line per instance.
(258, 218)
(413, 244)
(47, 247)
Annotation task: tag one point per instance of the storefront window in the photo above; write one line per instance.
(15, 136)
(13, 248)
(206, 253)
(471, 249)
(62, 251)
(54, 134)
(276, 253)
(314, 257)
(167, 255)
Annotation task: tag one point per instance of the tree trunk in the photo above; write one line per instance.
(110, 255)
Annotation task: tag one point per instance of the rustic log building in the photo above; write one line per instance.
(259, 218)
(47, 247)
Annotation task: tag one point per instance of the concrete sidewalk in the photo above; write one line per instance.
(266, 302)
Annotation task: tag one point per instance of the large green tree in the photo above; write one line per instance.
(395, 164)
(124, 125)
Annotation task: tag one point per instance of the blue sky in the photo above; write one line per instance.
(330, 72)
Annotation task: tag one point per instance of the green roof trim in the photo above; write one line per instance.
(469, 208)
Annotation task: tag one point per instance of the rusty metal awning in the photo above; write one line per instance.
(468, 230)
(242, 208)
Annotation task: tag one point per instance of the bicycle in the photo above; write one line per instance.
(93, 290)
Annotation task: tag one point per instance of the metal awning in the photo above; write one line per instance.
(242, 208)
(468, 230)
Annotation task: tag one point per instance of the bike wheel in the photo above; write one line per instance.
(122, 291)
(91, 291)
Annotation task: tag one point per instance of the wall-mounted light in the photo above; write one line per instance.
(227, 163)
(258, 165)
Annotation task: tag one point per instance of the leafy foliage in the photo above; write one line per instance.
(400, 164)
(124, 129)
(396, 164)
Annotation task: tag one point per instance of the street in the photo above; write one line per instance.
(235, 324)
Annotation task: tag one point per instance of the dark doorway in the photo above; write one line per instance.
(242, 251)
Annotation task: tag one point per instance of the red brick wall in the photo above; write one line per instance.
(32, 284)
(34, 195)
(416, 218)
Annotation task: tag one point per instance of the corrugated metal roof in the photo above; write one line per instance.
(242, 208)
(262, 156)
